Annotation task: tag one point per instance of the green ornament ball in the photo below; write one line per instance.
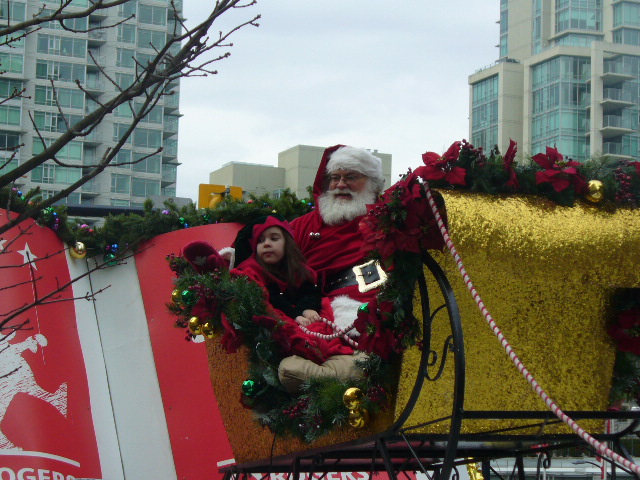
(364, 308)
(188, 297)
(110, 258)
(249, 388)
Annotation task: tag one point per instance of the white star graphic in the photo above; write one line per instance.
(27, 256)
(2, 242)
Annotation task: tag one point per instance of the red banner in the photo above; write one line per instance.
(46, 427)
(197, 434)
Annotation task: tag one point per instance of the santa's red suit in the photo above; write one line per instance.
(332, 251)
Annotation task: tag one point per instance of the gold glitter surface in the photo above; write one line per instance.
(248, 440)
(546, 274)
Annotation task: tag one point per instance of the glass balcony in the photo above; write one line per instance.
(169, 175)
(93, 137)
(612, 148)
(612, 94)
(172, 101)
(170, 148)
(170, 125)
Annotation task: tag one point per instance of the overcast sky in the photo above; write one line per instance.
(390, 76)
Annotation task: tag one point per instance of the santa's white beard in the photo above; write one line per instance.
(335, 209)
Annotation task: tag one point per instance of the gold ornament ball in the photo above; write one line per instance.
(595, 191)
(78, 250)
(208, 331)
(176, 296)
(195, 327)
(352, 398)
(359, 418)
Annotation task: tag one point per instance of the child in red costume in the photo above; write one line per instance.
(275, 262)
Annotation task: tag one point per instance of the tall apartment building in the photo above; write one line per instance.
(567, 75)
(53, 53)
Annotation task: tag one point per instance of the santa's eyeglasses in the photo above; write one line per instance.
(349, 178)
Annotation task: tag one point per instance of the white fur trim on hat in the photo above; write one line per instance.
(229, 254)
(345, 312)
(357, 159)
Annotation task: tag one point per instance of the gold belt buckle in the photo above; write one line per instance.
(363, 286)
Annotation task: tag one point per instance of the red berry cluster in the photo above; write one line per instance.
(177, 264)
(202, 291)
(467, 149)
(297, 409)
(624, 195)
(378, 394)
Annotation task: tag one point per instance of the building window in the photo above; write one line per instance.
(147, 138)
(9, 140)
(126, 33)
(53, 122)
(72, 151)
(152, 15)
(6, 167)
(127, 9)
(484, 113)
(117, 202)
(12, 62)
(125, 58)
(12, 40)
(9, 87)
(559, 116)
(120, 183)
(123, 110)
(71, 23)
(583, 15)
(151, 39)
(67, 97)
(154, 116)
(124, 80)
(10, 115)
(55, 174)
(144, 187)
(123, 157)
(57, 45)
(61, 71)
(119, 129)
(148, 165)
(626, 14)
(12, 10)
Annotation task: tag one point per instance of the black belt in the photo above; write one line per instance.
(367, 276)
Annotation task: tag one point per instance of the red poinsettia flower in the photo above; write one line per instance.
(374, 336)
(637, 165)
(441, 167)
(559, 173)
(626, 331)
(508, 159)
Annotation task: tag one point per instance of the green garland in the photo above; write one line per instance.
(319, 408)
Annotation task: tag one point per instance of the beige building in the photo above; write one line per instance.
(296, 170)
(567, 75)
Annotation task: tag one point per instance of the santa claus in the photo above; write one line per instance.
(348, 179)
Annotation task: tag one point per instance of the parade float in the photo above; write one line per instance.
(507, 327)
(557, 271)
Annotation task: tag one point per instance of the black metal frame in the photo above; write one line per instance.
(398, 450)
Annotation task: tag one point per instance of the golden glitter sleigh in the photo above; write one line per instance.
(547, 275)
